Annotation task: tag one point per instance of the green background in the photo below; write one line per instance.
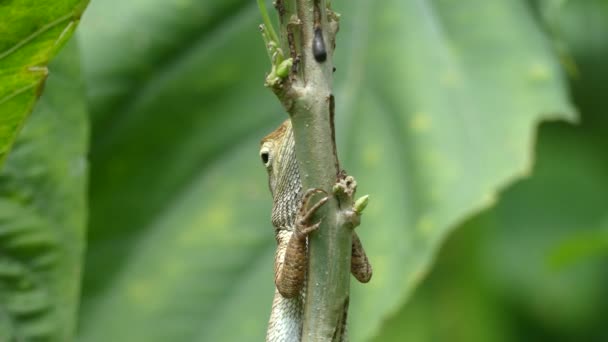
(481, 118)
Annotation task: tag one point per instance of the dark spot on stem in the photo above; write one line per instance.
(318, 46)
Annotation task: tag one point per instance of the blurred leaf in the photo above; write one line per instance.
(434, 115)
(43, 212)
(580, 248)
(441, 106)
(493, 281)
(31, 32)
(571, 185)
(507, 254)
(454, 302)
(535, 217)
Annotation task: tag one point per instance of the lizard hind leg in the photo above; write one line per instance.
(360, 266)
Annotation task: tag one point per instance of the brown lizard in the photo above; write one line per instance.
(291, 216)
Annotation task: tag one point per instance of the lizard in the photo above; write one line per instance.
(292, 212)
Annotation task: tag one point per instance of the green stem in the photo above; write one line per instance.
(267, 22)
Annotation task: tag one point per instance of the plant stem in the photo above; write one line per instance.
(307, 96)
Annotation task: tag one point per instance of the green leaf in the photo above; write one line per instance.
(534, 267)
(444, 119)
(31, 33)
(437, 107)
(43, 212)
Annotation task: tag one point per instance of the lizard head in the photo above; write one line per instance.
(277, 153)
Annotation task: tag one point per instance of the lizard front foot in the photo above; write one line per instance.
(303, 226)
(345, 187)
(351, 210)
(290, 273)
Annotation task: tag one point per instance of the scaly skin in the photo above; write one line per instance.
(291, 215)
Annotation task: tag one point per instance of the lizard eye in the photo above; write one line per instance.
(265, 155)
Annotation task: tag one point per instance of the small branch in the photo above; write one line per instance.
(308, 31)
(267, 22)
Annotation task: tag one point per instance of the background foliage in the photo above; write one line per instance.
(438, 104)
(534, 266)
(43, 212)
(42, 184)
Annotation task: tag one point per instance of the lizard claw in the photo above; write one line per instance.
(345, 187)
(303, 231)
(305, 214)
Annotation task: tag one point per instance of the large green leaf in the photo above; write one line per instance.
(31, 32)
(534, 267)
(43, 212)
(530, 268)
(438, 103)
